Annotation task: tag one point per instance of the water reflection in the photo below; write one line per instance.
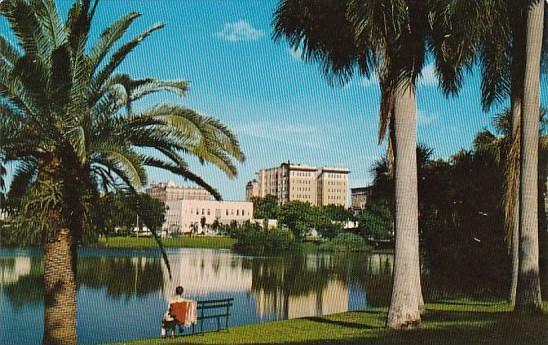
(264, 288)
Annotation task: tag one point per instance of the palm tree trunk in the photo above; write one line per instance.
(60, 290)
(404, 307)
(513, 165)
(528, 297)
(512, 174)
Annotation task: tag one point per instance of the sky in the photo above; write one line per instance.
(280, 107)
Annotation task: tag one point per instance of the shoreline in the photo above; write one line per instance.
(200, 242)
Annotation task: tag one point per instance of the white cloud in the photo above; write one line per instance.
(428, 76)
(425, 118)
(240, 31)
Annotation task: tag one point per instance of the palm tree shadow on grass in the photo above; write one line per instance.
(463, 328)
(346, 324)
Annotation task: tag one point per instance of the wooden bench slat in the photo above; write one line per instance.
(213, 301)
(207, 317)
(214, 306)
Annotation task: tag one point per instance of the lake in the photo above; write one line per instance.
(122, 294)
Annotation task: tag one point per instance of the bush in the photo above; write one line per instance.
(345, 242)
(252, 239)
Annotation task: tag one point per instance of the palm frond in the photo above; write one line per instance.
(23, 179)
(183, 172)
(126, 163)
(50, 23)
(109, 37)
(322, 31)
(8, 52)
(119, 55)
(60, 81)
(12, 88)
(26, 27)
(205, 137)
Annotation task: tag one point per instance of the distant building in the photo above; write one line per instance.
(182, 216)
(359, 197)
(251, 190)
(290, 182)
(170, 191)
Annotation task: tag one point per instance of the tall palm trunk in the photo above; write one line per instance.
(528, 298)
(512, 176)
(513, 165)
(404, 307)
(60, 290)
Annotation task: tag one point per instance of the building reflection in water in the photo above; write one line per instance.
(281, 287)
(268, 287)
(11, 269)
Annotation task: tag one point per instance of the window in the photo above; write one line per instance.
(243, 213)
(237, 212)
(227, 211)
(208, 212)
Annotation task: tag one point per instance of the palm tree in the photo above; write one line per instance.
(69, 126)
(390, 38)
(528, 298)
(502, 58)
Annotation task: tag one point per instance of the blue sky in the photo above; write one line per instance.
(280, 107)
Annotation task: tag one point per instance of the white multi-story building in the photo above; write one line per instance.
(170, 191)
(182, 216)
(288, 182)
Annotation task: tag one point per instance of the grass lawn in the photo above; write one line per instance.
(461, 322)
(213, 242)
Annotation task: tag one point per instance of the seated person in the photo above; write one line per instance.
(180, 312)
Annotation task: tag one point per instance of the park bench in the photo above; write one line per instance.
(218, 309)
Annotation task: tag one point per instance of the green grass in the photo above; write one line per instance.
(460, 322)
(213, 242)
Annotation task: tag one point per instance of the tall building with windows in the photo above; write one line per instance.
(170, 191)
(289, 182)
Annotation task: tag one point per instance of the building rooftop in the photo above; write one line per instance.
(335, 169)
(360, 189)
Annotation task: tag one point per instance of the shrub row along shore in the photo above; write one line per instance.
(209, 242)
(264, 243)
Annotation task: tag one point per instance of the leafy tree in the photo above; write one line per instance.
(337, 213)
(301, 218)
(70, 126)
(265, 208)
(297, 216)
(329, 229)
(254, 239)
(376, 221)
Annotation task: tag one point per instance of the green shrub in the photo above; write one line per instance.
(345, 242)
(254, 240)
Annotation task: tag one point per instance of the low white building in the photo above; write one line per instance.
(182, 216)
